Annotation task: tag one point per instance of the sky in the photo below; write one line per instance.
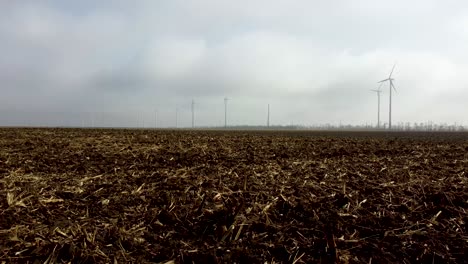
(141, 63)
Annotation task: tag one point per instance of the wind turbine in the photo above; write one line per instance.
(390, 87)
(378, 91)
(268, 116)
(177, 118)
(156, 118)
(225, 112)
(193, 113)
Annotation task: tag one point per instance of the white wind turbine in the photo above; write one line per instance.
(225, 111)
(391, 87)
(378, 91)
(193, 113)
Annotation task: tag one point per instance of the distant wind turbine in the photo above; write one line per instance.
(225, 112)
(155, 118)
(391, 86)
(193, 113)
(176, 117)
(268, 116)
(378, 91)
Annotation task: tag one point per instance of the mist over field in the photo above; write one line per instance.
(288, 131)
(117, 63)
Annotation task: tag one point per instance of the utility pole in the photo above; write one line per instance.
(225, 112)
(193, 113)
(268, 116)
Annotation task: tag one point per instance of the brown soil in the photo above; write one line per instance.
(113, 196)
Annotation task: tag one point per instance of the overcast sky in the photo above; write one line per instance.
(82, 62)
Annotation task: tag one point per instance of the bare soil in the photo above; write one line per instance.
(148, 196)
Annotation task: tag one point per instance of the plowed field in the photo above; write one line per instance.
(120, 196)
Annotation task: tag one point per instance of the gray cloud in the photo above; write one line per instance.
(314, 62)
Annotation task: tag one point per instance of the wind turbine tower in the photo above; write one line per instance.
(225, 112)
(391, 86)
(378, 91)
(176, 117)
(193, 113)
(268, 116)
(155, 118)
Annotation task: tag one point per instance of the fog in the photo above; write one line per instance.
(118, 63)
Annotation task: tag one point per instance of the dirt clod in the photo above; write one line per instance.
(154, 196)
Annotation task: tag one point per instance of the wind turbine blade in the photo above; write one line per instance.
(380, 86)
(384, 80)
(393, 86)
(390, 76)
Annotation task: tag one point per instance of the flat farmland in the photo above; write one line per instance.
(160, 196)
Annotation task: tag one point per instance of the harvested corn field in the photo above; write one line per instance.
(148, 196)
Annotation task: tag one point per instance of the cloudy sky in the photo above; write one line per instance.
(117, 62)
